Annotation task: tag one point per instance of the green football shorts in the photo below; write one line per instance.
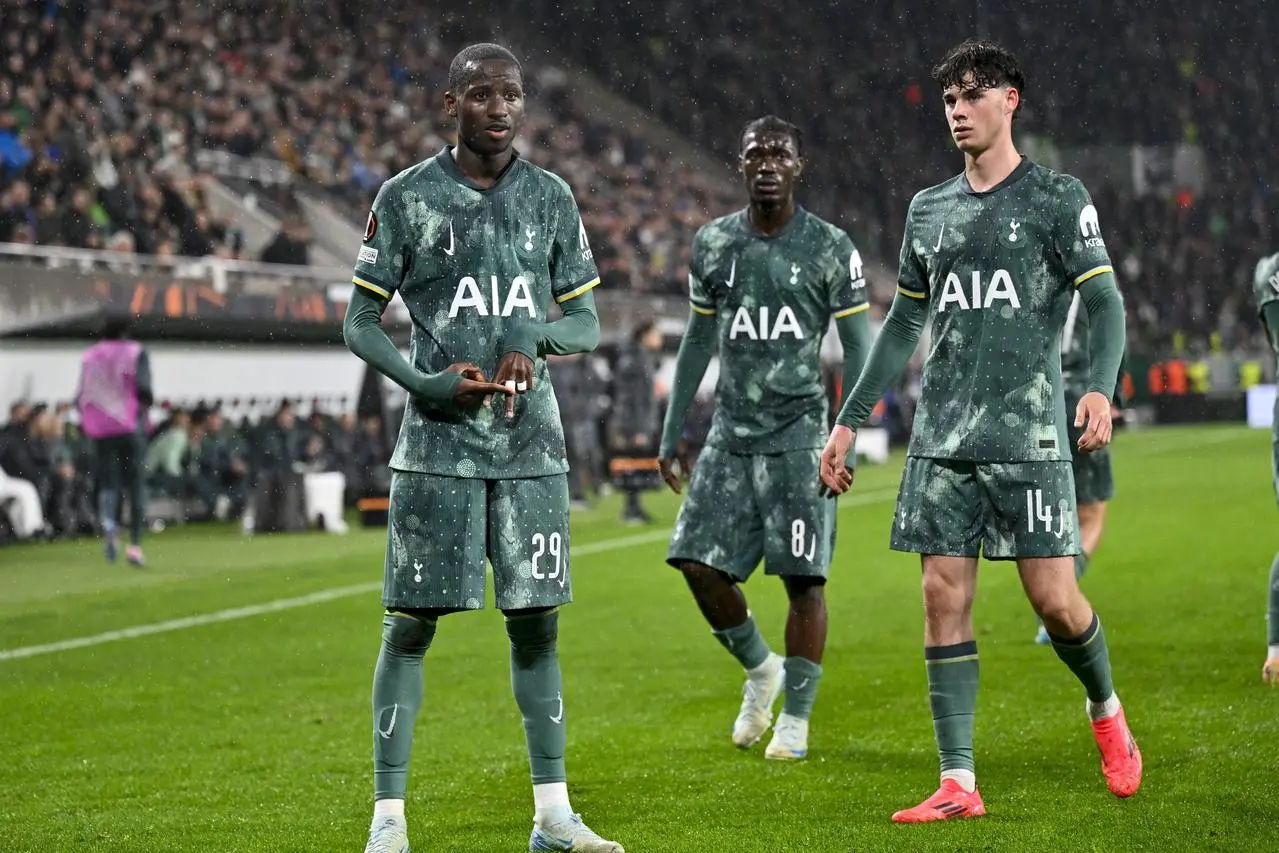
(1002, 510)
(440, 530)
(1094, 480)
(742, 508)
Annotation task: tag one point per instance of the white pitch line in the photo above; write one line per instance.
(850, 500)
(336, 593)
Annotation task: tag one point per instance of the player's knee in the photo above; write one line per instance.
(943, 591)
(805, 590)
(1056, 604)
(532, 633)
(702, 577)
(407, 633)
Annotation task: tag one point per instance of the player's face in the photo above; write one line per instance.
(490, 109)
(770, 162)
(979, 117)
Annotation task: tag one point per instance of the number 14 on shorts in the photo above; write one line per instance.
(1038, 512)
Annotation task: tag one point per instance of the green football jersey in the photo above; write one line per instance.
(472, 264)
(773, 298)
(1265, 286)
(999, 270)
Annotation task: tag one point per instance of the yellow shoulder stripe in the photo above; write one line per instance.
(578, 291)
(1093, 273)
(368, 285)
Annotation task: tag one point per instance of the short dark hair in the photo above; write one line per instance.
(467, 63)
(116, 328)
(990, 64)
(772, 124)
(642, 327)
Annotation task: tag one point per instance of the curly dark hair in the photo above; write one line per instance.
(990, 64)
(773, 124)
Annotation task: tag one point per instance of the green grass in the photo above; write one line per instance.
(254, 734)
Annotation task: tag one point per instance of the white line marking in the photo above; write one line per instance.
(850, 500)
(336, 593)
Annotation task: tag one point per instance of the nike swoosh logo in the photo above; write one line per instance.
(732, 273)
(557, 719)
(451, 249)
(802, 684)
(395, 712)
(937, 248)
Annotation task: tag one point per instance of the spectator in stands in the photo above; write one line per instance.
(15, 210)
(290, 246)
(20, 503)
(578, 389)
(372, 458)
(167, 455)
(77, 221)
(115, 392)
(634, 426)
(279, 445)
(48, 221)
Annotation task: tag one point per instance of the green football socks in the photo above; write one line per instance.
(802, 676)
(1089, 659)
(397, 695)
(539, 692)
(745, 643)
(952, 693)
(1274, 603)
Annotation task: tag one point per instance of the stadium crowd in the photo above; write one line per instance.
(102, 108)
(200, 463)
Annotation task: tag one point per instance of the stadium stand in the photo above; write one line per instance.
(114, 117)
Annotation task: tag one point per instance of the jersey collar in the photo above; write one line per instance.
(449, 165)
(1017, 174)
(793, 224)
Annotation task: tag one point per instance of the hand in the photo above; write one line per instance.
(1094, 410)
(1270, 672)
(515, 372)
(473, 390)
(671, 474)
(837, 477)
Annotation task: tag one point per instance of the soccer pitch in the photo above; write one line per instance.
(251, 731)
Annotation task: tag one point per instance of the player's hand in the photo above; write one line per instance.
(1094, 410)
(473, 390)
(837, 477)
(1270, 671)
(672, 474)
(515, 372)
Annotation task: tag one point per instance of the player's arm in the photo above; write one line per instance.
(1083, 254)
(1100, 296)
(362, 330)
(695, 352)
(846, 285)
(142, 380)
(577, 331)
(888, 358)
